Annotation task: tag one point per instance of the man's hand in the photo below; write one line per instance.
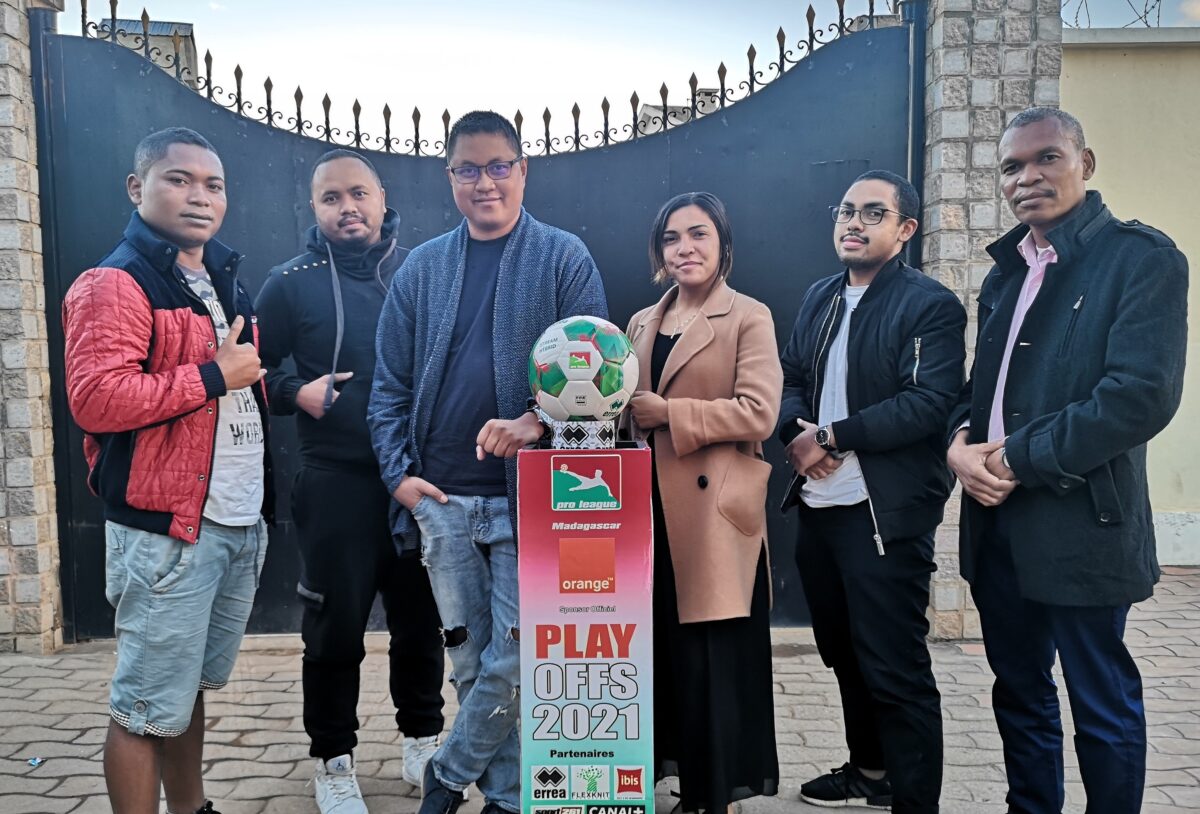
(649, 410)
(804, 453)
(995, 465)
(239, 363)
(504, 438)
(823, 468)
(412, 489)
(969, 463)
(311, 397)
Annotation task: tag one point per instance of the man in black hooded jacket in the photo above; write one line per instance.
(321, 308)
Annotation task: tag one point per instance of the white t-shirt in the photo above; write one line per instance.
(235, 486)
(845, 487)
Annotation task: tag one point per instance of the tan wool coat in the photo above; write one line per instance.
(722, 383)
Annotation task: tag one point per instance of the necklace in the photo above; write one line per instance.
(680, 327)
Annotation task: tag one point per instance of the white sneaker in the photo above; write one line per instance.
(337, 787)
(417, 752)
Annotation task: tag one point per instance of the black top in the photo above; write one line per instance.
(663, 345)
(467, 398)
(298, 317)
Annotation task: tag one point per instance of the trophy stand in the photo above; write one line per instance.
(582, 434)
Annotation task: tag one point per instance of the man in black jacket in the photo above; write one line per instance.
(870, 374)
(1079, 363)
(321, 308)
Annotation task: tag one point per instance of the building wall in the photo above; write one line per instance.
(987, 61)
(30, 600)
(1137, 94)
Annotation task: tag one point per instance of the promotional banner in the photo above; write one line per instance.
(585, 533)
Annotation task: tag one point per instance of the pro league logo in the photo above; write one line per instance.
(585, 483)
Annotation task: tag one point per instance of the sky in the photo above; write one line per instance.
(521, 54)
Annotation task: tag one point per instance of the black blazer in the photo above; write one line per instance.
(1096, 372)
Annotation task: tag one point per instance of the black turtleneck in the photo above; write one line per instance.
(298, 317)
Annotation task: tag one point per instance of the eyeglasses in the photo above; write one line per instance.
(870, 216)
(497, 171)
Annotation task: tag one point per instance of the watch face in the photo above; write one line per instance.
(822, 437)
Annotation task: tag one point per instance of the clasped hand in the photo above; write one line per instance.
(808, 457)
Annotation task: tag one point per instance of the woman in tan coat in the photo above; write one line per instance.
(708, 396)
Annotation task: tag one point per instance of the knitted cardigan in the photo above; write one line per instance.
(545, 275)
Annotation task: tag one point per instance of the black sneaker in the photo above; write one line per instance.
(436, 798)
(493, 808)
(847, 787)
(207, 808)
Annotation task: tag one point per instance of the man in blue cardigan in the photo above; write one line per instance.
(448, 414)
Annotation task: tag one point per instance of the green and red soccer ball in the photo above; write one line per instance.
(583, 369)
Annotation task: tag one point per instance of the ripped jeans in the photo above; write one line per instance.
(468, 548)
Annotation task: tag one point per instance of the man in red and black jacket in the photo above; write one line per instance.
(163, 376)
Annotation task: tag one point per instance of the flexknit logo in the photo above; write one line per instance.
(585, 483)
(587, 565)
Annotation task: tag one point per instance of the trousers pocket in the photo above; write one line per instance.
(166, 560)
(116, 571)
(743, 493)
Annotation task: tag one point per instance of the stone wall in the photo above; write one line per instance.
(986, 61)
(30, 599)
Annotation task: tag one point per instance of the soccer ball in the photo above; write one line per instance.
(583, 369)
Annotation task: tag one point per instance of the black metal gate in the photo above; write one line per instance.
(800, 131)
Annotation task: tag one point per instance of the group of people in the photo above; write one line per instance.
(408, 383)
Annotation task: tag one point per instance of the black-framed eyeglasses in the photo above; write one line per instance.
(497, 171)
(870, 215)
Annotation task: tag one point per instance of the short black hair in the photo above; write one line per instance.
(907, 199)
(482, 121)
(1069, 123)
(709, 204)
(153, 148)
(333, 155)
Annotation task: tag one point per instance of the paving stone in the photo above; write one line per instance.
(257, 752)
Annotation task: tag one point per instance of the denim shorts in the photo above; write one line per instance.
(182, 610)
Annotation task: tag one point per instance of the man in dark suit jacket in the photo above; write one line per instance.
(1079, 363)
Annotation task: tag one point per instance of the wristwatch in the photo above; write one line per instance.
(822, 439)
(1004, 458)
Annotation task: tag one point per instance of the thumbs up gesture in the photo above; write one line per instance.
(239, 363)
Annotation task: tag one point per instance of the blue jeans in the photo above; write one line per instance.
(468, 548)
(1103, 685)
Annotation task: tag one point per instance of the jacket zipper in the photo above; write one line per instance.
(1071, 325)
(212, 454)
(917, 359)
(822, 346)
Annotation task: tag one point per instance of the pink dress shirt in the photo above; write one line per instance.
(1037, 260)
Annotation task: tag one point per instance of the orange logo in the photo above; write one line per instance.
(587, 565)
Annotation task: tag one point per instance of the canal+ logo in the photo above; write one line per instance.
(585, 483)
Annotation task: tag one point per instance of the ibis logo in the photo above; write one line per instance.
(587, 565)
(631, 782)
(585, 483)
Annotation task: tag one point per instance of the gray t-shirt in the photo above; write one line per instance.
(235, 487)
(845, 487)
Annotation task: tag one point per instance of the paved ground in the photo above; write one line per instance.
(53, 707)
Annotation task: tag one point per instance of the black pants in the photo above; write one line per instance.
(347, 558)
(868, 616)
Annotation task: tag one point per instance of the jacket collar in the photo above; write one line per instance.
(360, 263)
(1070, 238)
(887, 275)
(694, 338)
(162, 254)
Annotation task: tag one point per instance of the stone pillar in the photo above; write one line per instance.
(986, 60)
(30, 599)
